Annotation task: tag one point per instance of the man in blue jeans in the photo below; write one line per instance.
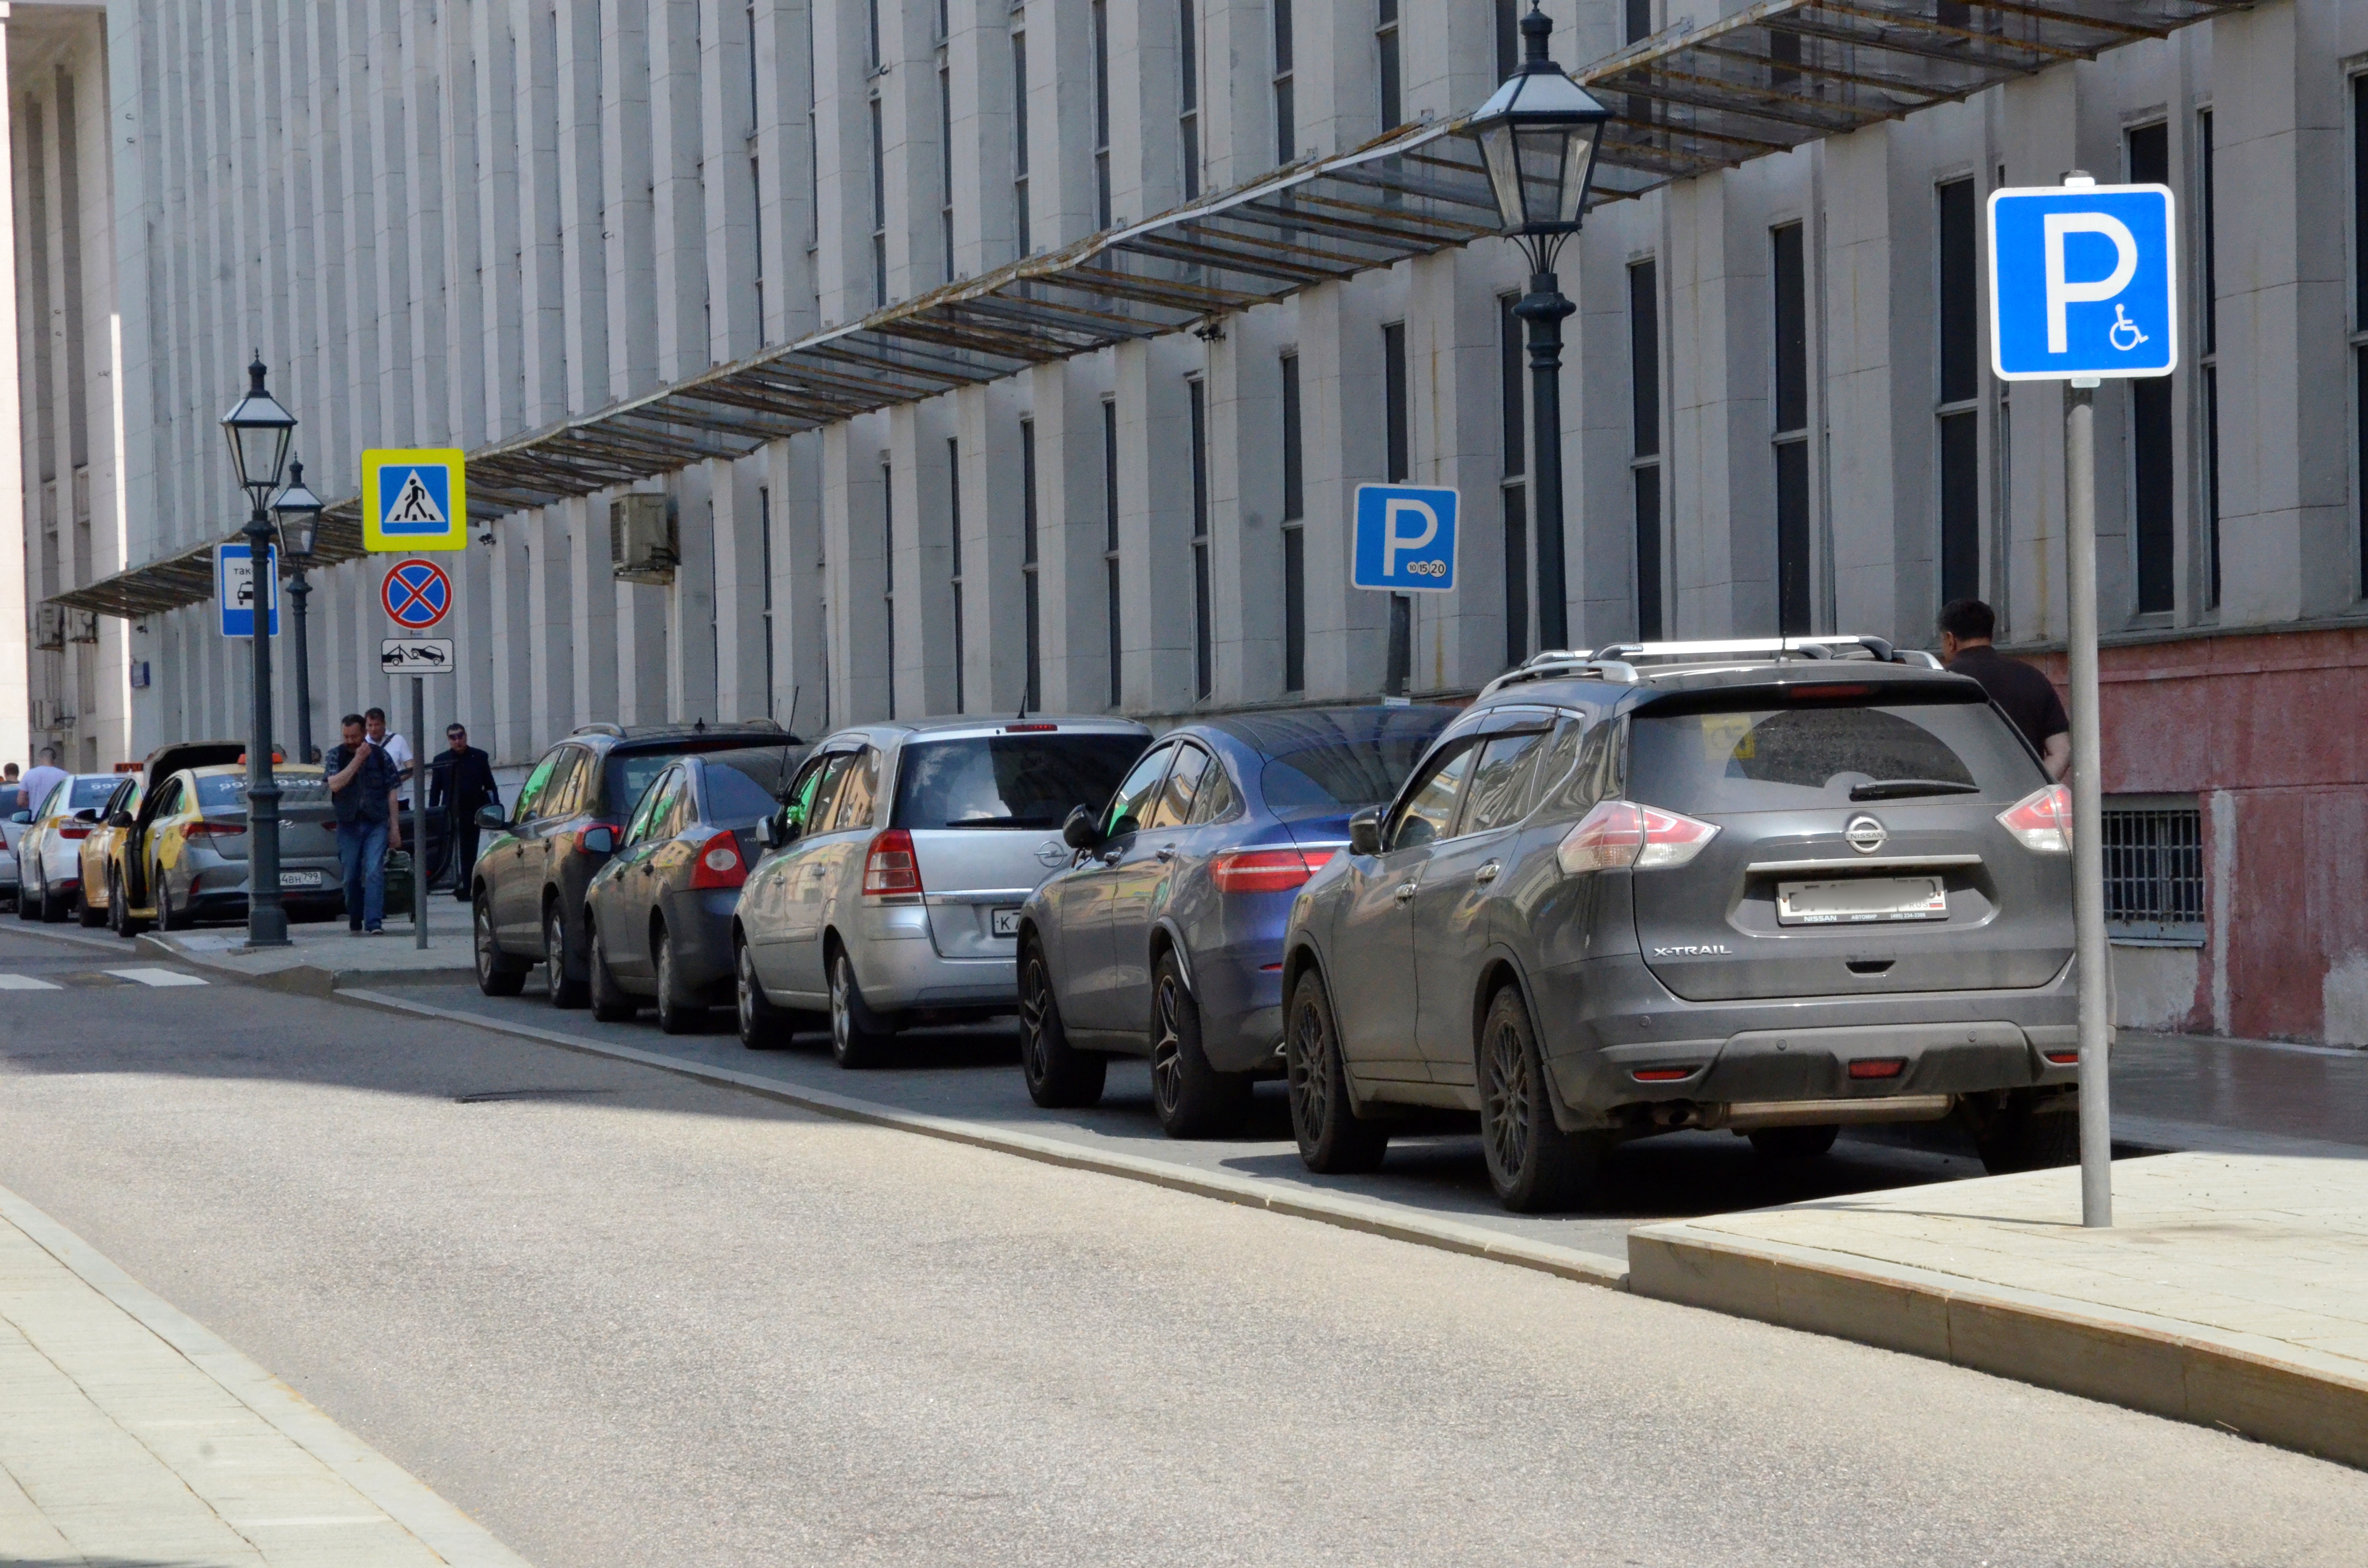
(361, 789)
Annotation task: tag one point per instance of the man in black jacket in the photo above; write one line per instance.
(2027, 696)
(460, 782)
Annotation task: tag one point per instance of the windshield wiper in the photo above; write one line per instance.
(1899, 788)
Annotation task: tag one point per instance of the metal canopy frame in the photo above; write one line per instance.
(1686, 101)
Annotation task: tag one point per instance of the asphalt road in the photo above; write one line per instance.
(623, 1317)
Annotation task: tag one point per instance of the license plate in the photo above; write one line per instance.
(1860, 900)
(1004, 922)
(299, 878)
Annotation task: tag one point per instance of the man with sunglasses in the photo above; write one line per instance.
(460, 783)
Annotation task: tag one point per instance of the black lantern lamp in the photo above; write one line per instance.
(260, 430)
(299, 511)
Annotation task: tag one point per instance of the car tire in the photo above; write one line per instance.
(89, 915)
(610, 1001)
(168, 917)
(1191, 1098)
(1535, 1166)
(118, 918)
(1059, 1077)
(857, 1039)
(26, 909)
(53, 905)
(677, 1013)
(1794, 1143)
(763, 1023)
(562, 986)
(2021, 1136)
(499, 974)
(1333, 1139)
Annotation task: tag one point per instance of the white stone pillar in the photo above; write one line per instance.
(16, 715)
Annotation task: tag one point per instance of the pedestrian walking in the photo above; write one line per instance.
(2026, 696)
(398, 752)
(459, 784)
(362, 791)
(44, 776)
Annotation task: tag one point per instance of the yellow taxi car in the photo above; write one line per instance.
(185, 850)
(96, 904)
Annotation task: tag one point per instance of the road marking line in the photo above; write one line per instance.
(26, 983)
(159, 977)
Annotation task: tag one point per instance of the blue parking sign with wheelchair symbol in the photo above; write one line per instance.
(2084, 282)
(1404, 540)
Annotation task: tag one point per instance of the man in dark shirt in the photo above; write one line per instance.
(361, 790)
(2028, 696)
(460, 782)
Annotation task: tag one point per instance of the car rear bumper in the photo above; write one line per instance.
(1601, 1023)
(899, 967)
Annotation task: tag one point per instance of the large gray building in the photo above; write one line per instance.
(994, 354)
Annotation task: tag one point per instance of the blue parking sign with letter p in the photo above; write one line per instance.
(2084, 282)
(1404, 540)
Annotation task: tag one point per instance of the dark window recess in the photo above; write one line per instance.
(1645, 358)
(1792, 432)
(1792, 331)
(2154, 872)
(2359, 203)
(1286, 141)
(1509, 386)
(1110, 547)
(1188, 119)
(1508, 37)
(2212, 481)
(1638, 17)
(953, 539)
(1961, 489)
(1203, 660)
(1648, 552)
(2207, 265)
(2360, 363)
(1960, 329)
(888, 575)
(1393, 399)
(2149, 154)
(1385, 38)
(1517, 573)
(2150, 489)
(1035, 690)
(1294, 543)
(1792, 538)
(1294, 480)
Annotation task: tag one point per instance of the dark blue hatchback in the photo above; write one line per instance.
(1164, 937)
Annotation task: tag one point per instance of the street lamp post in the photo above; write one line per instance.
(258, 429)
(1538, 136)
(299, 511)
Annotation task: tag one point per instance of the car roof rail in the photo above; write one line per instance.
(1565, 663)
(1817, 646)
(600, 729)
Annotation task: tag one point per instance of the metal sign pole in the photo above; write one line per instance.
(2087, 805)
(419, 812)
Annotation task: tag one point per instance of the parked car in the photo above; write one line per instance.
(12, 801)
(658, 915)
(128, 900)
(1164, 937)
(190, 858)
(526, 890)
(94, 906)
(894, 875)
(1696, 887)
(48, 851)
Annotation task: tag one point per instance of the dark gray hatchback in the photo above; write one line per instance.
(1777, 891)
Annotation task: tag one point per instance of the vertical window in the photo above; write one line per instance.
(1188, 95)
(879, 208)
(1385, 41)
(1286, 114)
(946, 166)
(1110, 547)
(2208, 319)
(1019, 140)
(1035, 697)
(1637, 19)
(757, 200)
(765, 559)
(1203, 660)
(2359, 309)
(1397, 429)
(1792, 435)
(1514, 493)
(1960, 420)
(2151, 470)
(1644, 442)
(888, 574)
(871, 34)
(1508, 37)
(1295, 535)
(953, 539)
(1102, 115)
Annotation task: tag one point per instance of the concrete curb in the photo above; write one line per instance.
(455, 1538)
(2266, 1390)
(1349, 1213)
(301, 978)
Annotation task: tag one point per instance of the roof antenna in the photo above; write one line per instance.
(792, 725)
(699, 725)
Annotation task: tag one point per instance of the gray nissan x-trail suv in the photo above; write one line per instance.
(1775, 888)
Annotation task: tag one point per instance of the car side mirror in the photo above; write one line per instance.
(601, 840)
(1365, 832)
(21, 817)
(121, 819)
(88, 814)
(1080, 830)
(768, 834)
(491, 818)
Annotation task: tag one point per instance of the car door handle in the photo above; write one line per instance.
(1404, 890)
(1165, 852)
(1487, 873)
(816, 870)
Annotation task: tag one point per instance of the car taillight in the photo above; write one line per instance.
(78, 831)
(211, 830)
(1265, 870)
(719, 865)
(2062, 1058)
(1622, 833)
(2041, 820)
(889, 868)
(1878, 1067)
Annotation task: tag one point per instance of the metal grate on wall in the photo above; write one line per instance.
(2154, 874)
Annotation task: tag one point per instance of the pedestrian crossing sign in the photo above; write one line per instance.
(414, 498)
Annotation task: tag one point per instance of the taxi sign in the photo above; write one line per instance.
(415, 498)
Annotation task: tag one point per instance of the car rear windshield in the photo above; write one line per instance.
(630, 772)
(740, 790)
(91, 792)
(1031, 781)
(1759, 759)
(1341, 775)
(227, 792)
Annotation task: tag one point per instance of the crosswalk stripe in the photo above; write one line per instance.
(159, 977)
(26, 982)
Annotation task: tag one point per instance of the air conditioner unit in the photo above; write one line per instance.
(81, 625)
(641, 539)
(50, 626)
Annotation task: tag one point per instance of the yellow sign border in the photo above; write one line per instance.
(455, 462)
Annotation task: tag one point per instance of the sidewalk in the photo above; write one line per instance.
(325, 957)
(2232, 1291)
(129, 1434)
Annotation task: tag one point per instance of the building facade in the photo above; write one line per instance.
(473, 223)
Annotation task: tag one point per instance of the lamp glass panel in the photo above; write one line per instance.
(1504, 173)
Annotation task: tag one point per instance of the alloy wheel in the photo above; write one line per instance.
(745, 993)
(482, 926)
(1035, 990)
(1506, 1099)
(842, 1020)
(1311, 1087)
(554, 953)
(1167, 1051)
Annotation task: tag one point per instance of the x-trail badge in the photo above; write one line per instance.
(1865, 835)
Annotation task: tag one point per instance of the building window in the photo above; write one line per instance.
(765, 559)
(1645, 441)
(953, 539)
(2359, 310)
(1188, 95)
(1791, 437)
(1397, 430)
(1295, 535)
(1102, 115)
(1513, 489)
(888, 574)
(2154, 869)
(2152, 470)
(1109, 548)
(871, 35)
(1019, 140)
(1286, 115)
(755, 197)
(879, 210)
(1386, 43)
(2208, 362)
(1508, 37)
(1203, 660)
(1959, 415)
(1035, 687)
(1636, 16)
(946, 166)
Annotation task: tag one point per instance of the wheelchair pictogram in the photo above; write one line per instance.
(2122, 323)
